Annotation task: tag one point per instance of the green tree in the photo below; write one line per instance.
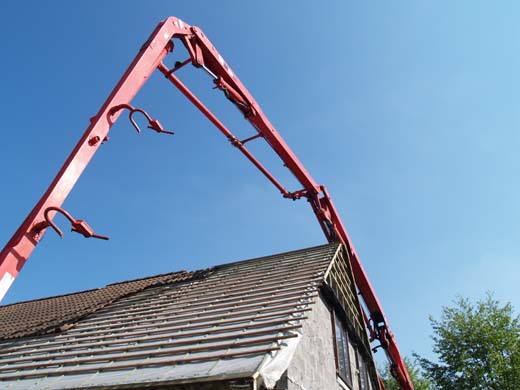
(477, 347)
(418, 380)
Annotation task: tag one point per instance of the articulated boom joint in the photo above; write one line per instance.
(296, 194)
(233, 96)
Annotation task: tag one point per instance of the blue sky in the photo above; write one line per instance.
(407, 111)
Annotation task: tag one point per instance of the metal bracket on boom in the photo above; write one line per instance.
(153, 124)
(78, 225)
(374, 349)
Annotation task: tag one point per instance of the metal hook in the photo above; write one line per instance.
(374, 349)
(78, 225)
(153, 124)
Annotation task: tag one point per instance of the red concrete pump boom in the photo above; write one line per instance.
(202, 54)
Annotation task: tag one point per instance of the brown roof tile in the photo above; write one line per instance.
(48, 315)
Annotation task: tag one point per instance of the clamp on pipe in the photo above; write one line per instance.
(77, 225)
(153, 124)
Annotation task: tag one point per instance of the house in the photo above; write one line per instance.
(287, 321)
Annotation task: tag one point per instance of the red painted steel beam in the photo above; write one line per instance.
(223, 129)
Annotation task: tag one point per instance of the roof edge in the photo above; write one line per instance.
(220, 266)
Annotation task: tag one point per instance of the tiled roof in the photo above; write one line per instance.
(51, 314)
(228, 321)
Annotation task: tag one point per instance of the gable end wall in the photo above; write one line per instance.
(313, 366)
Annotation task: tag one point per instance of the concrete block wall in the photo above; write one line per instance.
(313, 366)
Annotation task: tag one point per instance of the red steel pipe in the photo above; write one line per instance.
(223, 129)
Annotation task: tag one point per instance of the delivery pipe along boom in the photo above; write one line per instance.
(202, 54)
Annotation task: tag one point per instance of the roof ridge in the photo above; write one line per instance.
(152, 276)
(315, 247)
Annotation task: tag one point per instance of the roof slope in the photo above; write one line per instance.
(225, 322)
(51, 314)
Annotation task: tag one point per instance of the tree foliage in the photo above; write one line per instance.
(477, 347)
(418, 380)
